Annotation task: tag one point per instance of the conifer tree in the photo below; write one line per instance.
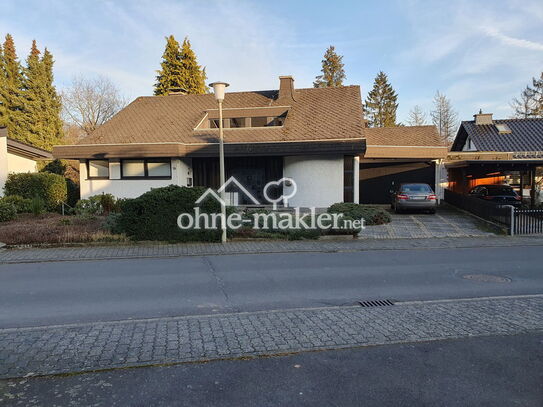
(12, 87)
(180, 69)
(381, 103)
(3, 107)
(332, 70)
(53, 106)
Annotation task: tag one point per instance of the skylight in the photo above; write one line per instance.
(503, 128)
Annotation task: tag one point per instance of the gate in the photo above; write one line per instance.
(527, 222)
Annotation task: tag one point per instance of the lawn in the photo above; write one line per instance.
(53, 228)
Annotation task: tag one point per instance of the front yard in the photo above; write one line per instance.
(53, 228)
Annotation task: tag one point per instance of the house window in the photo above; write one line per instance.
(259, 121)
(148, 168)
(159, 169)
(98, 169)
(503, 128)
(237, 122)
(214, 123)
(133, 168)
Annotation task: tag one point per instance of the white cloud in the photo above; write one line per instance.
(512, 41)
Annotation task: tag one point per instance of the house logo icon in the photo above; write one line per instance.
(232, 181)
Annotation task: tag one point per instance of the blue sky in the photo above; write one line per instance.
(479, 53)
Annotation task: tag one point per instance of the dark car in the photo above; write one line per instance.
(413, 196)
(498, 194)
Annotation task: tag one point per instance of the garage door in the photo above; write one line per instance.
(376, 179)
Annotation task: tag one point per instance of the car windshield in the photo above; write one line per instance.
(417, 188)
(500, 191)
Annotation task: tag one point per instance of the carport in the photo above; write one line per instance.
(396, 155)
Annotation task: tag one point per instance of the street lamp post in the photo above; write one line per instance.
(218, 90)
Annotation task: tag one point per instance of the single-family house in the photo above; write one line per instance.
(17, 157)
(315, 136)
(498, 151)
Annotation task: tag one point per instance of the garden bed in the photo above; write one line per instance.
(53, 228)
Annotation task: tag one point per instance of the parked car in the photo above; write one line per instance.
(498, 194)
(413, 196)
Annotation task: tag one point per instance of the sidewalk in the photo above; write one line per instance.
(106, 345)
(255, 247)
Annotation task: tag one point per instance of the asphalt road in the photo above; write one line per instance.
(68, 292)
(486, 371)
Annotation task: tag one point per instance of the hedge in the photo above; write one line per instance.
(22, 205)
(51, 188)
(7, 211)
(153, 215)
(372, 215)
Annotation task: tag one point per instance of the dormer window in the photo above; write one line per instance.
(245, 117)
(503, 128)
(240, 122)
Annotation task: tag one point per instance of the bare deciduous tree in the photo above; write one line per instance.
(524, 106)
(416, 117)
(444, 117)
(90, 102)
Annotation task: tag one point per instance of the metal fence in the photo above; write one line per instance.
(527, 222)
(486, 210)
(517, 221)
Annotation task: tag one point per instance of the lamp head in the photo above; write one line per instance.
(218, 90)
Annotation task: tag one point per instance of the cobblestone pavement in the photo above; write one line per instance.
(446, 223)
(106, 345)
(256, 247)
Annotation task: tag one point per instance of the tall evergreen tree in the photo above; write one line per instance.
(12, 88)
(180, 69)
(40, 122)
(332, 70)
(3, 107)
(381, 103)
(53, 106)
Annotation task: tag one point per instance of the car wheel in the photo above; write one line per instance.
(432, 211)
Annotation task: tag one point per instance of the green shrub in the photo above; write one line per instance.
(372, 215)
(89, 207)
(22, 205)
(153, 215)
(111, 224)
(7, 211)
(37, 206)
(73, 192)
(51, 188)
(55, 167)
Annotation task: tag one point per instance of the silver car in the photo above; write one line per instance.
(413, 197)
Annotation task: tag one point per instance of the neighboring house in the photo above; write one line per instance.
(315, 136)
(490, 151)
(17, 157)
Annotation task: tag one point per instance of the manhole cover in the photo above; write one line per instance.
(486, 278)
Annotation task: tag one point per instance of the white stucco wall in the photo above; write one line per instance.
(12, 163)
(319, 180)
(129, 188)
(3, 163)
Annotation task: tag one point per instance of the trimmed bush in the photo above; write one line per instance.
(51, 188)
(22, 205)
(7, 211)
(372, 215)
(153, 215)
(89, 207)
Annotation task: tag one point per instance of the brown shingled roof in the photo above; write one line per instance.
(403, 136)
(315, 114)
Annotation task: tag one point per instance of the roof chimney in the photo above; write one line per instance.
(483, 118)
(177, 91)
(286, 87)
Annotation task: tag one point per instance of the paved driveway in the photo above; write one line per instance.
(447, 222)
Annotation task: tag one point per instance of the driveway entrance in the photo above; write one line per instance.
(448, 222)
